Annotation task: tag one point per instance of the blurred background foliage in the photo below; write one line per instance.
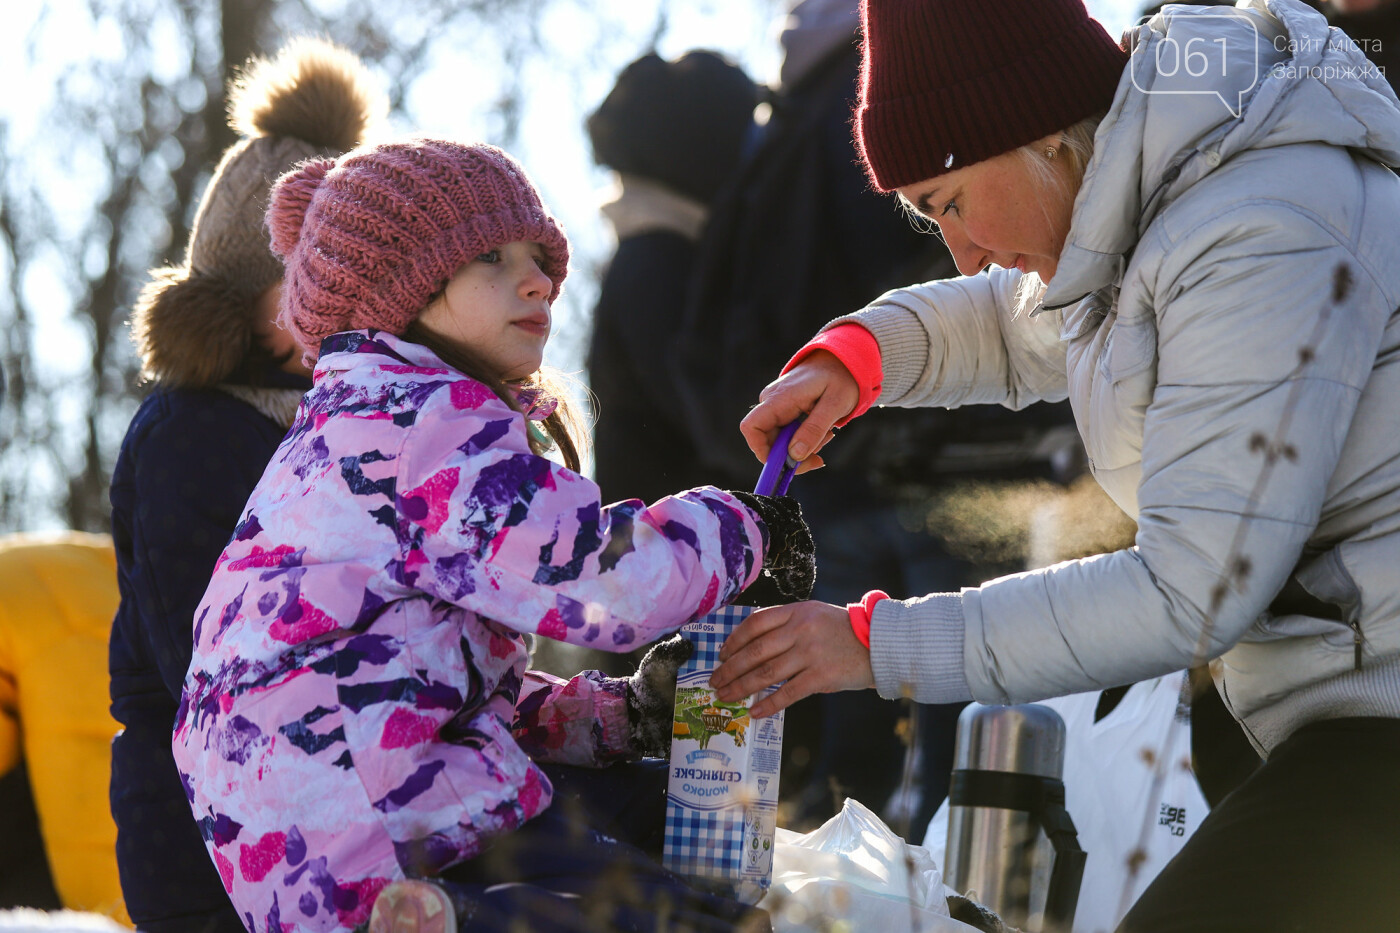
(115, 116)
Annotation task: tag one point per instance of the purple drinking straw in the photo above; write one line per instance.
(778, 471)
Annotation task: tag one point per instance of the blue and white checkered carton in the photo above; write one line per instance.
(722, 799)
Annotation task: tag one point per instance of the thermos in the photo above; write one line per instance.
(1011, 843)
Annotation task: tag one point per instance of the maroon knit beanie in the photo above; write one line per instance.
(946, 83)
(368, 238)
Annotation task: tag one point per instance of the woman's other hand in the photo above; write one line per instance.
(819, 387)
(810, 645)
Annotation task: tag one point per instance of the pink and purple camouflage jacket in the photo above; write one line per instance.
(358, 705)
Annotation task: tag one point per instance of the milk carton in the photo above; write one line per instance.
(722, 799)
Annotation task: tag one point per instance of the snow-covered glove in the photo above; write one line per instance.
(790, 566)
(651, 696)
(975, 915)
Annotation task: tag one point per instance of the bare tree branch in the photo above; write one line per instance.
(135, 128)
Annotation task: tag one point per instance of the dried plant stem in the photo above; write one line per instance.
(905, 792)
(1237, 564)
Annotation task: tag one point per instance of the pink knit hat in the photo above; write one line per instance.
(947, 83)
(368, 238)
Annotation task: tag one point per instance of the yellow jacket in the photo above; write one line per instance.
(58, 594)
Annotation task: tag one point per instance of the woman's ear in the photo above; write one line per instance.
(1049, 144)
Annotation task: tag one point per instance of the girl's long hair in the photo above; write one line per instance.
(564, 425)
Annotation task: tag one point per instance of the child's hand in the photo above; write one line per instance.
(790, 565)
(651, 696)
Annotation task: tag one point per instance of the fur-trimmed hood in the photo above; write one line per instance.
(193, 324)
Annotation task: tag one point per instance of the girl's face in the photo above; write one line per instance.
(998, 211)
(497, 307)
(270, 334)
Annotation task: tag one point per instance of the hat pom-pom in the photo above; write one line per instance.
(291, 197)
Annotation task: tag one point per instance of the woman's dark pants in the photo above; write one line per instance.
(1310, 842)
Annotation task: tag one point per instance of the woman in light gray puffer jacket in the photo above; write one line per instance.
(1197, 241)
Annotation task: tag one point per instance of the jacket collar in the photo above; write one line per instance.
(354, 349)
(358, 349)
(278, 405)
(643, 206)
(814, 29)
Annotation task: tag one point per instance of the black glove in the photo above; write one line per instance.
(651, 696)
(790, 566)
(974, 914)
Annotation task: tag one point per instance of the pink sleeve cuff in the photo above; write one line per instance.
(860, 614)
(859, 352)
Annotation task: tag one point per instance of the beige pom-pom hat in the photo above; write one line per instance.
(193, 324)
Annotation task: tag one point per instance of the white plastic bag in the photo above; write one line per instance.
(1108, 791)
(853, 873)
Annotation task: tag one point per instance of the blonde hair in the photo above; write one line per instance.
(1076, 149)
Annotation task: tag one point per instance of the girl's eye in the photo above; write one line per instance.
(490, 257)
(950, 206)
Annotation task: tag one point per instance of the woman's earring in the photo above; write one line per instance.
(1050, 152)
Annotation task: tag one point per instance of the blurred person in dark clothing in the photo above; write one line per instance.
(227, 382)
(1374, 25)
(673, 132)
(797, 239)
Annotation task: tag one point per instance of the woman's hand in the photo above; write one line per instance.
(810, 645)
(821, 388)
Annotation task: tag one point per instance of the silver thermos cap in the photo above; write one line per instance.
(1028, 739)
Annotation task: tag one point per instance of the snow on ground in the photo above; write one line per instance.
(25, 920)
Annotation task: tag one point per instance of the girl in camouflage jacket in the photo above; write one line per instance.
(358, 709)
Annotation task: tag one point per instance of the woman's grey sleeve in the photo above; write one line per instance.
(963, 341)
